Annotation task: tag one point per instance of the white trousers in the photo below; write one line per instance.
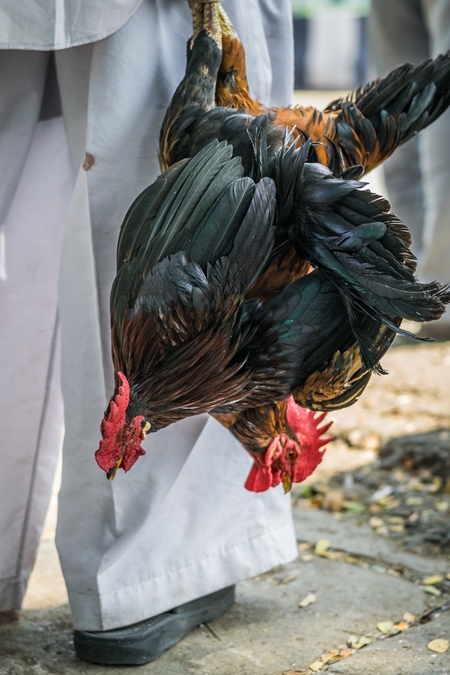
(180, 524)
(418, 174)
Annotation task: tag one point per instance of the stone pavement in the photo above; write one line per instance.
(266, 632)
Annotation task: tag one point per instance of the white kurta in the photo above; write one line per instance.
(180, 524)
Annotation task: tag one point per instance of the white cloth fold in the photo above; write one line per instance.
(180, 524)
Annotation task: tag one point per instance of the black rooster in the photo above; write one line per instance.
(188, 338)
(215, 307)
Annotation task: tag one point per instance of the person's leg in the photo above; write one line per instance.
(399, 35)
(182, 525)
(30, 402)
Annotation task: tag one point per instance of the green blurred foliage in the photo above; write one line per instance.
(309, 8)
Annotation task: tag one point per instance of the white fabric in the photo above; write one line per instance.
(30, 398)
(58, 24)
(180, 524)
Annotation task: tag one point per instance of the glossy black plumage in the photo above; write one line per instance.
(190, 248)
(217, 307)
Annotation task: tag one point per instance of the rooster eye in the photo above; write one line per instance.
(291, 454)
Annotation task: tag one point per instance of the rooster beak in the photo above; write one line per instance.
(287, 483)
(146, 428)
(111, 474)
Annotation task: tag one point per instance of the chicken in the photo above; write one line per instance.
(184, 339)
(283, 438)
(187, 335)
(369, 261)
(363, 129)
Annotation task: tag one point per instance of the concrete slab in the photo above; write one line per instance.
(314, 524)
(265, 632)
(405, 653)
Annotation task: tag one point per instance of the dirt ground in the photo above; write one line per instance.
(370, 591)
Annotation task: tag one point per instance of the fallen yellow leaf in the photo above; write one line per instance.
(401, 625)
(435, 579)
(385, 626)
(410, 618)
(431, 590)
(359, 642)
(440, 646)
(375, 522)
(287, 580)
(344, 653)
(353, 507)
(308, 600)
(321, 546)
(317, 665)
(332, 655)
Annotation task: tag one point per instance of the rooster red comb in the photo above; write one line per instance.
(120, 447)
(117, 409)
(287, 460)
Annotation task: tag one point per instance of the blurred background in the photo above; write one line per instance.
(337, 27)
(332, 56)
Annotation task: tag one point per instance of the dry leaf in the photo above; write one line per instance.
(335, 655)
(334, 500)
(385, 627)
(436, 485)
(308, 600)
(321, 546)
(410, 618)
(332, 655)
(357, 643)
(379, 569)
(401, 626)
(431, 590)
(345, 653)
(317, 665)
(414, 501)
(287, 580)
(440, 646)
(382, 530)
(376, 522)
(435, 579)
(304, 546)
(353, 507)
(306, 558)
(442, 506)
(382, 493)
